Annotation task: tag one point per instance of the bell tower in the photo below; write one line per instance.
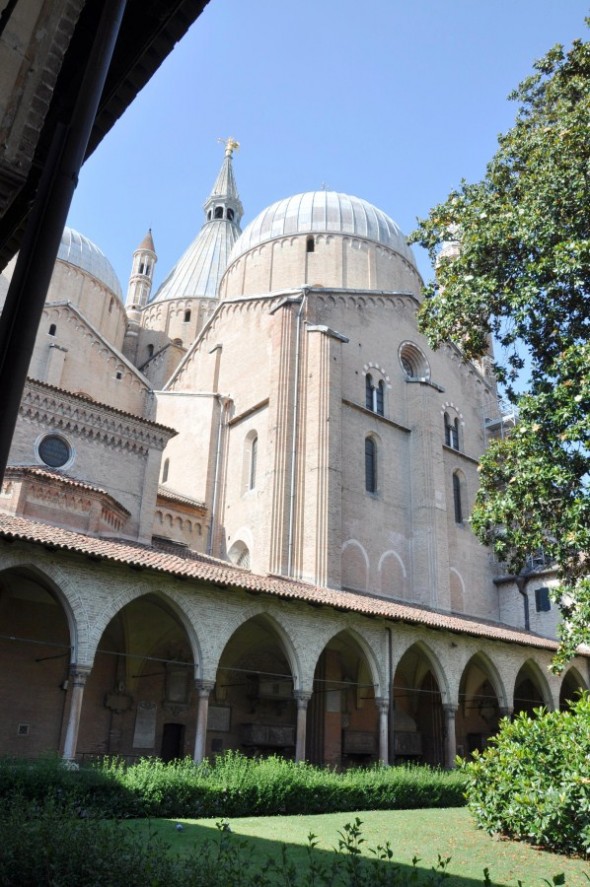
(142, 274)
(138, 292)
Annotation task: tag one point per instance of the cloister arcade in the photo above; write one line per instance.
(148, 666)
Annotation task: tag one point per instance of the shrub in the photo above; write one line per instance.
(232, 785)
(533, 780)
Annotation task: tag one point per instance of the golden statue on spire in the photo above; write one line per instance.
(231, 145)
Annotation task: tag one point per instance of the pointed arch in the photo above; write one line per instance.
(63, 588)
(378, 679)
(392, 574)
(531, 689)
(457, 587)
(483, 661)
(128, 595)
(354, 566)
(343, 719)
(426, 651)
(420, 690)
(482, 702)
(571, 685)
(255, 683)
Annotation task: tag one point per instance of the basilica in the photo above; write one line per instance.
(236, 512)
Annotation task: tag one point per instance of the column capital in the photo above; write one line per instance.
(78, 674)
(450, 709)
(204, 688)
(505, 711)
(302, 698)
(382, 703)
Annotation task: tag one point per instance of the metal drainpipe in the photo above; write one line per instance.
(304, 292)
(521, 584)
(391, 713)
(28, 288)
(223, 403)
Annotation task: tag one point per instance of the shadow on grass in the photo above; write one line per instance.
(350, 861)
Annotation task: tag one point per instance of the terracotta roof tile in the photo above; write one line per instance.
(221, 574)
(14, 471)
(171, 496)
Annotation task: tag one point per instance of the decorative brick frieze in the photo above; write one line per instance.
(64, 411)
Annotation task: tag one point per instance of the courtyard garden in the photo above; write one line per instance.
(240, 822)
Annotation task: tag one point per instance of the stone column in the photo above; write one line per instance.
(382, 704)
(450, 736)
(203, 689)
(302, 698)
(78, 677)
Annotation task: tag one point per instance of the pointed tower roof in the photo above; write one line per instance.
(200, 269)
(147, 242)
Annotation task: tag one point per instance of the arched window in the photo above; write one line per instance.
(451, 432)
(165, 470)
(52, 329)
(253, 463)
(369, 391)
(379, 398)
(218, 212)
(239, 554)
(370, 465)
(374, 395)
(150, 351)
(310, 246)
(230, 214)
(187, 315)
(457, 497)
(209, 216)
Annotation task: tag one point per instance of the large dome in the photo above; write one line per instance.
(322, 211)
(83, 253)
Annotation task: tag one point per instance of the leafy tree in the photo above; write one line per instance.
(520, 273)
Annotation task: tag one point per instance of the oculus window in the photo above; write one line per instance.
(413, 362)
(54, 451)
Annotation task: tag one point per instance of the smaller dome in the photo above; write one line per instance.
(77, 250)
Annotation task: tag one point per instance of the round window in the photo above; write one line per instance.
(54, 451)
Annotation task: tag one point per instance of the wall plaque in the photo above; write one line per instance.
(219, 718)
(145, 725)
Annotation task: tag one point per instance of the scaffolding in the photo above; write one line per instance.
(499, 418)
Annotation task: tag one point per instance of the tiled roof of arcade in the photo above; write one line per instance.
(224, 576)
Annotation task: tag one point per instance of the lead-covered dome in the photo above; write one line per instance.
(77, 250)
(320, 239)
(328, 212)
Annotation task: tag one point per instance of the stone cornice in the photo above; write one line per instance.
(372, 415)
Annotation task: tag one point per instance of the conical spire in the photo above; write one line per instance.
(199, 271)
(148, 242)
(224, 194)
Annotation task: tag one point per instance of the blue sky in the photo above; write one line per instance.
(391, 101)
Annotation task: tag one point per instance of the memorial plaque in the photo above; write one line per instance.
(359, 742)
(219, 718)
(406, 743)
(267, 735)
(145, 725)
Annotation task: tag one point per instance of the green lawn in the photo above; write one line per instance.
(421, 833)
